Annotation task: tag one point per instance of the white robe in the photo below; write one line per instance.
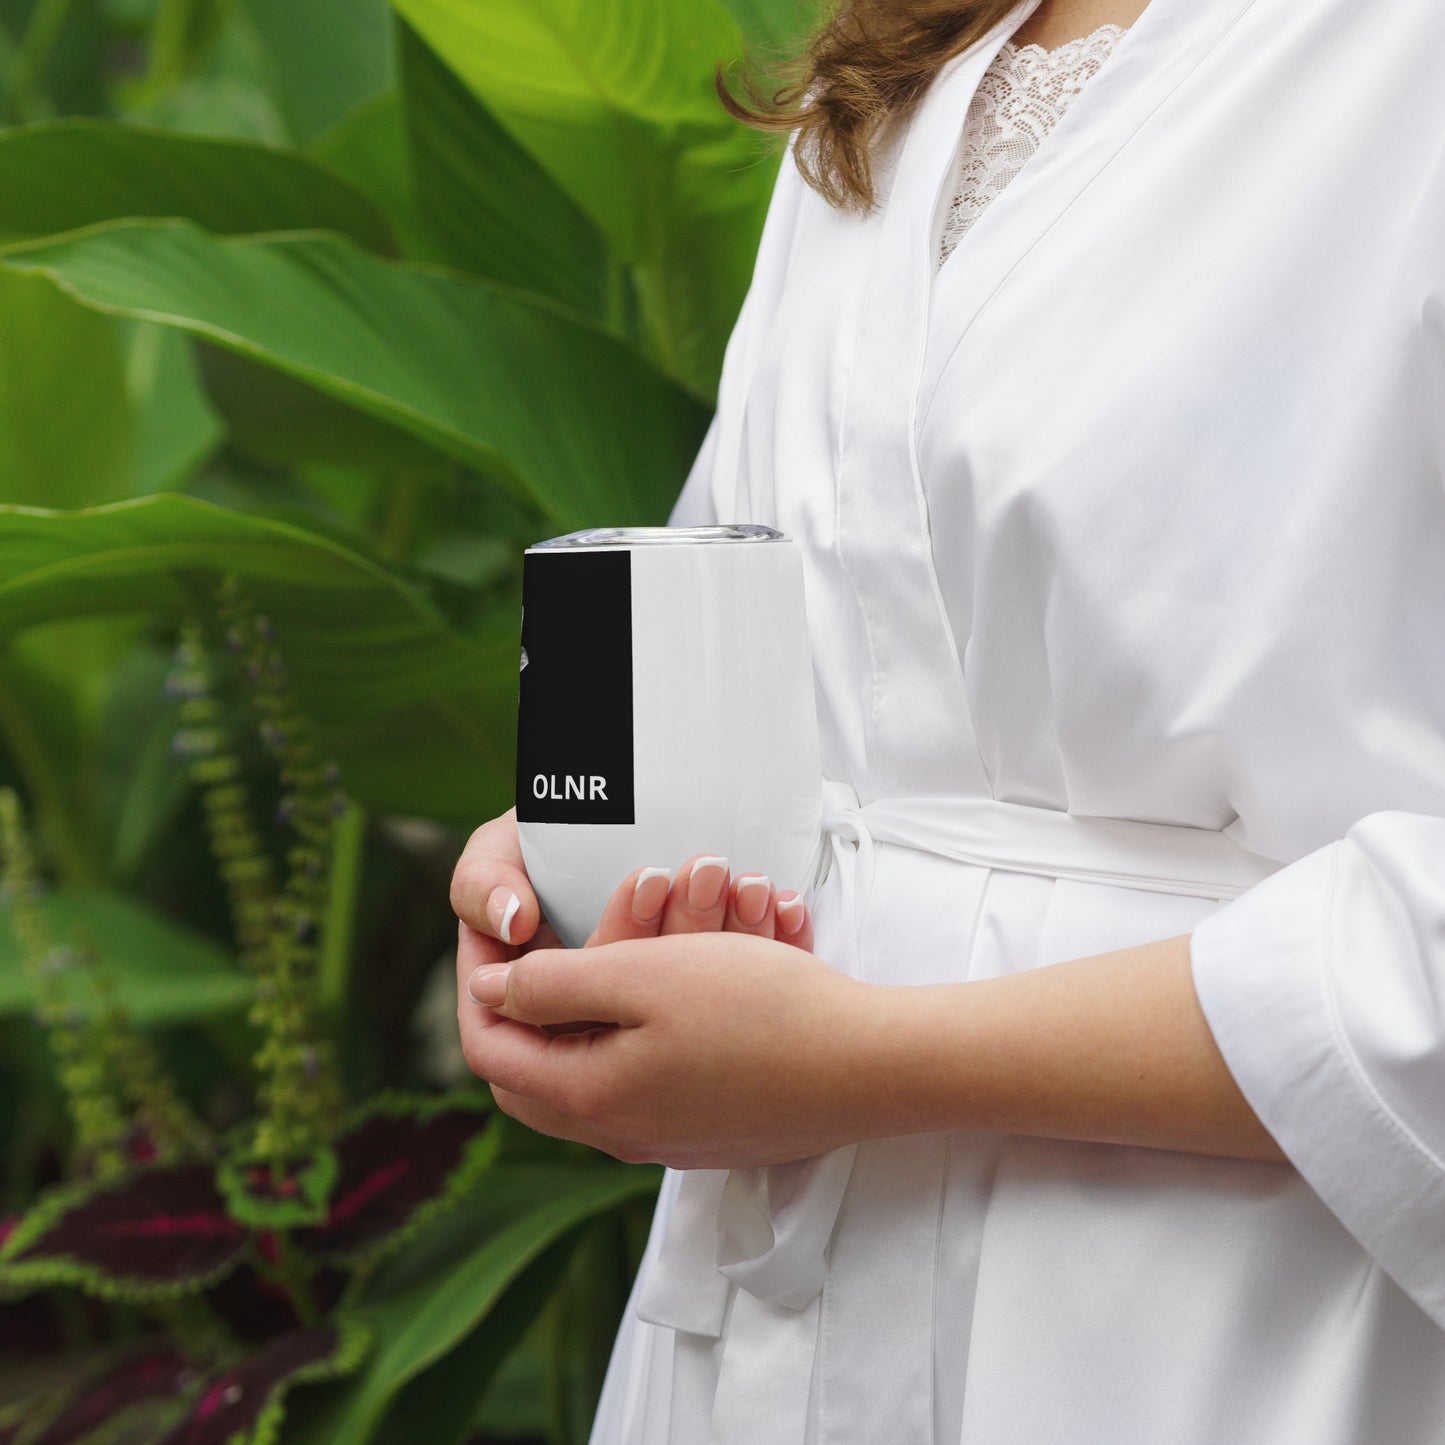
(1135, 510)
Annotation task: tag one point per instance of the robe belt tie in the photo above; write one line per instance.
(767, 1230)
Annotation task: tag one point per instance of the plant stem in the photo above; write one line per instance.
(289, 1278)
(400, 522)
(338, 928)
(25, 99)
(74, 862)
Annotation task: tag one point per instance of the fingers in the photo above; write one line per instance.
(490, 889)
(755, 906)
(703, 900)
(750, 905)
(794, 923)
(698, 901)
(635, 908)
(549, 987)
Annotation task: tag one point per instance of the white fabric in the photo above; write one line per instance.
(1020, 99)
(1134, 511)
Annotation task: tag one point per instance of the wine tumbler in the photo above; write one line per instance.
(665, 709)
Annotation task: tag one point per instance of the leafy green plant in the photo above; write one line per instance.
(315, 313)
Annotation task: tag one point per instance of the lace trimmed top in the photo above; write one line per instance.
(1019, 100)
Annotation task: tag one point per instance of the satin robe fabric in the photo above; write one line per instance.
(1134, 511)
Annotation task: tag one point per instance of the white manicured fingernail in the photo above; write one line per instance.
(502, 908)
(706, 882)
(649, 893)
(790, 913)
(752, 899)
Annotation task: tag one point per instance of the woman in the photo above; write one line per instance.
(1113, 1109)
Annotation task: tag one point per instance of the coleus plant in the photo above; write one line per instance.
(234, 1259)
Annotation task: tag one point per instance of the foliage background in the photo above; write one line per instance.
(352, 302)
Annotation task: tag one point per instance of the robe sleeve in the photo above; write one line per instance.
(710, 493)
(694, 505)
(1324, 987)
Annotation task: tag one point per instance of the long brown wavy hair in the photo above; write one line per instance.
(865, 68)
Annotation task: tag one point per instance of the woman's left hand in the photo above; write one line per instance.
(709, 1050)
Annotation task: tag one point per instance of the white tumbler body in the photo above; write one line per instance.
(695, 642)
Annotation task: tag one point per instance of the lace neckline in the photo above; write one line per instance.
(1032, 54)
(1022, 96)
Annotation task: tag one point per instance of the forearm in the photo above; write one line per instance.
(1112, 1048)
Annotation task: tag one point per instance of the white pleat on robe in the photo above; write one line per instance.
(1134, 511)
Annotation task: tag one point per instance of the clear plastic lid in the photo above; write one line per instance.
(662, 536)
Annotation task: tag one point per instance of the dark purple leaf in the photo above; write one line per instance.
(161, 1232)
(398, 1163)
(159, 1374)
(241, 1404)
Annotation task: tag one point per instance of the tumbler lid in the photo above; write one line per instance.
(654, 536)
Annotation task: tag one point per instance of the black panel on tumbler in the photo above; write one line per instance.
(574, 711)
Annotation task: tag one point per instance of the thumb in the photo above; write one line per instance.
(552, 986)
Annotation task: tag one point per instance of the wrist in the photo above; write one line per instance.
(904, 1068)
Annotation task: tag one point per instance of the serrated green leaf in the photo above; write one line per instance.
(155, 1234)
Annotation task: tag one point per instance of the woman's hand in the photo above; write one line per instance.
(709, 1050)
(492, 896)
(501, 920)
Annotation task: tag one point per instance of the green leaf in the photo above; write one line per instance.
(775, 28)
(493, 210)
(368, 147)
(326, 56)
(163, 973)
(277, 419)
(75, 173)
(429, 1299)
(448, 1393)
(177, 428)
(617, 103)
(524, 391)
(210, 75)
(66, 430)
(372, 662)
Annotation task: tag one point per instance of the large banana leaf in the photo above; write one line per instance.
(326, 55)
(548, 404)
(75, 173)
(493, 210)
(422, 720)
(617, 103)
(66, 428)
(367, 147)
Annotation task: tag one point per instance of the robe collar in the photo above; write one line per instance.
(1149, 63)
